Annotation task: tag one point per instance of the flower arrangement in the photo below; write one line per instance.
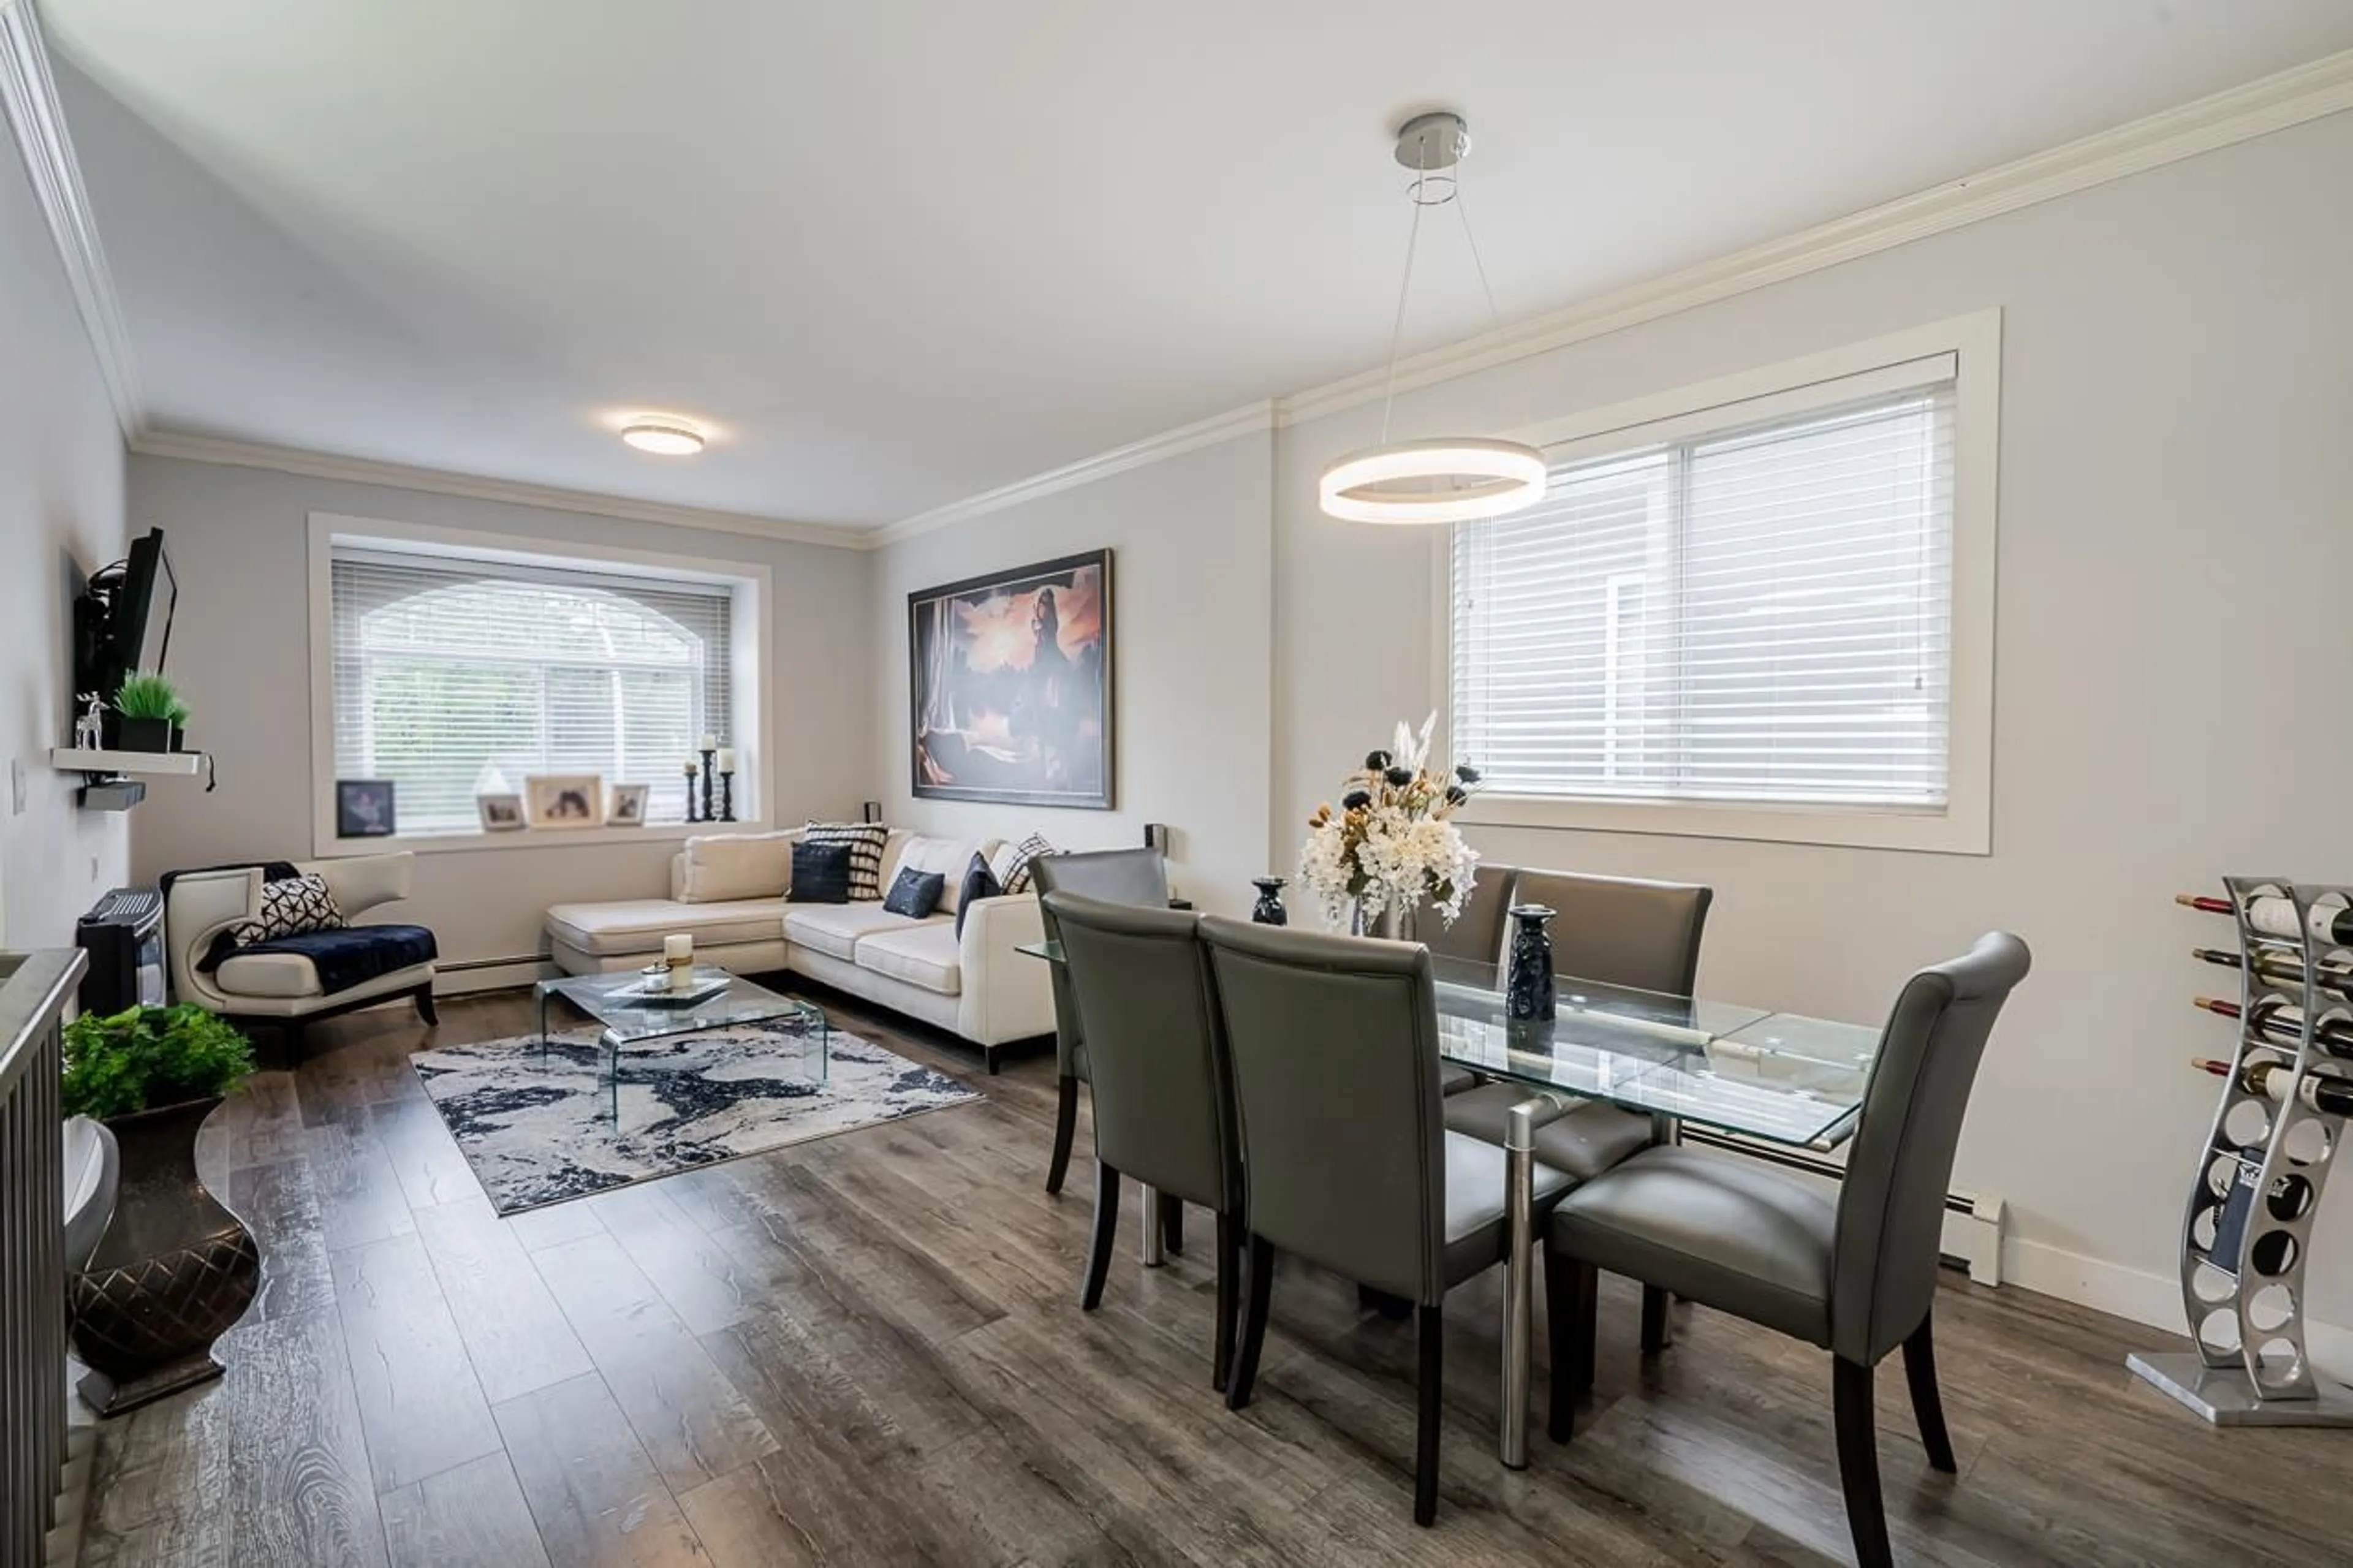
(1390, 845)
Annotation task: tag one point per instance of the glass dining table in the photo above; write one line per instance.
(1776, 1078)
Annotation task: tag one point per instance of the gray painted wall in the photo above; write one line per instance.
(1192, 659)
(60, 519)
(240, 650)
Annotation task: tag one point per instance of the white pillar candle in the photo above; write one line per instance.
(678, 948)
(693, 767)
(710, 743)
(727, 760)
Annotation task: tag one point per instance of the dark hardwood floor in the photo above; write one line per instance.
(868, 1349)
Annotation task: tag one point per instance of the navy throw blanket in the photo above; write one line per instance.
(354, 954)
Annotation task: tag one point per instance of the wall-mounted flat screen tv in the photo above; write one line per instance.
(144, 605)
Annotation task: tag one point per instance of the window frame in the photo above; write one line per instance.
(750, 700)
(1964, 826)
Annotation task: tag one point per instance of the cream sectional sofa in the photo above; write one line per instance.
(728, 890)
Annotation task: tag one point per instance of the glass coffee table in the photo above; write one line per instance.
(630, 1019)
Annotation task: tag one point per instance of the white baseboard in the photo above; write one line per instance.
(2145, 1298)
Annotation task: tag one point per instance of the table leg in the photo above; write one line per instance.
(1153, 1252)
(612, 1043)
(543, 1026)
(1658, 1324)
(1519, 1264)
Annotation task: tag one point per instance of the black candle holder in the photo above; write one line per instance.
(709, 765)
(727, 795)
(690, 814)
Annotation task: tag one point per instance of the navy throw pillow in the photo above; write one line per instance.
(820, 874)
(979, 882)
(914, 893)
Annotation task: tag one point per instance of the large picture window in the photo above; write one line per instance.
(451, 674)
(1746, 607)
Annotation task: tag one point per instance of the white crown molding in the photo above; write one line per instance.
(30, 96)
(1249, 418)
(436, 481)
(2324, 87)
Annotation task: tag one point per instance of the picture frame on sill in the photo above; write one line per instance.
(363, 809)
(564, 800)
(501, 812)
(625, 805)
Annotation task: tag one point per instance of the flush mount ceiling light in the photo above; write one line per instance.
(664, 435)
(1452, 479)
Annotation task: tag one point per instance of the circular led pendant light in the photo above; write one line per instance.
(1451, 478)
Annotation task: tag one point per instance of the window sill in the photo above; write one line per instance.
(528, 838)
(1955, 830)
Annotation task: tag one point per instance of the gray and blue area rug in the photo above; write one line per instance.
(539, 1134)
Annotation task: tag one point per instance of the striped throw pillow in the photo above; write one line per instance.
(1013, 875)
(865, 840)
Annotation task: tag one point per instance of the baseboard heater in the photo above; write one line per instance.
(1973, 1221)
(489, 973)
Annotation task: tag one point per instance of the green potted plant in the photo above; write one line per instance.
(179, 717)
(173, 1270)
(145, 702)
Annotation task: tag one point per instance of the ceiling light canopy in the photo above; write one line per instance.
(663, 435)
(1456, 479)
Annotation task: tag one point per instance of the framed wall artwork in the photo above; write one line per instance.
(1011, 686)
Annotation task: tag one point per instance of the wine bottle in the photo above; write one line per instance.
(2275, 916)
(2286, 1024)
(2270, 1080)
(2281, 970)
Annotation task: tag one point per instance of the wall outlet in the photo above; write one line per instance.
(15, 786)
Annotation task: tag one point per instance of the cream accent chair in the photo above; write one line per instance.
(282, 989)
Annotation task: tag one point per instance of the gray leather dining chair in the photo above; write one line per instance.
(1347, 1164)
(1159, 1077)
(1475, 936)
(1855, 1275)
(1616, 931)
(1120, 877)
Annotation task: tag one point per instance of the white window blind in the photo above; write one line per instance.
(448, 670)
(1758, 614)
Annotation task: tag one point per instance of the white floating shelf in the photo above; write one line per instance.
(183, 764)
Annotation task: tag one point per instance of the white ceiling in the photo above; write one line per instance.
(898, 252)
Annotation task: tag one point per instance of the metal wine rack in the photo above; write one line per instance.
(2242, 1274)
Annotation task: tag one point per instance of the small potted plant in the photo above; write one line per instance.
(145, 703)
(173, 1270)
(179, 717)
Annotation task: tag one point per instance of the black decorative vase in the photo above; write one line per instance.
(172, 1272)
(1528, 989)
(1269, 909)
(179, 739)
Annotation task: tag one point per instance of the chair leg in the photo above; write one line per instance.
(423, 995)
(1171, 1224)
(1654, 1319)
(1589, 1329)
(1857, 1451)
(1106, 1231)
(988, 1055)
(1927, 1407)
(1428, 1390)
(1260, 1273)
(1066, 1124)
(1569, 1287)
(1229, 1272)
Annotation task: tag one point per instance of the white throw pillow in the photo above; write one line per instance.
(729, 865)
(948, 857)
